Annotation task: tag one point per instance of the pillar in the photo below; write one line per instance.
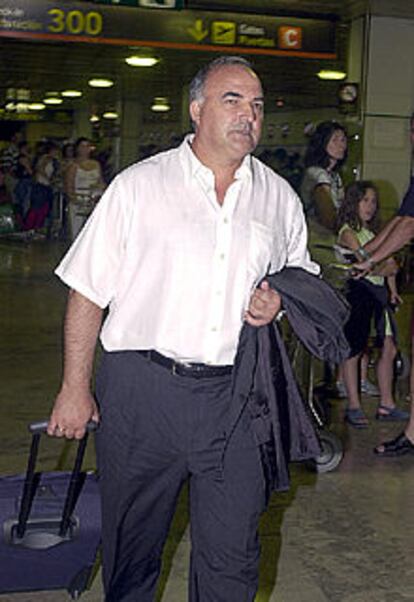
(131, 122)
(81, 123)
(387, 103)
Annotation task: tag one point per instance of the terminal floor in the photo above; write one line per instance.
(343, 536)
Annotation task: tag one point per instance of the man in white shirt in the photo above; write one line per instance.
(176, 248)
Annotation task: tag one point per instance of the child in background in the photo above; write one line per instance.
(370, 298)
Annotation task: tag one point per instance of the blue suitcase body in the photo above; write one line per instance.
(50, 527)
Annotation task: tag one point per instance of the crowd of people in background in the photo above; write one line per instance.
(36, 180)
(50, 189)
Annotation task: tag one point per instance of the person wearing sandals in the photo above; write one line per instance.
(369, 298)
(394, 236)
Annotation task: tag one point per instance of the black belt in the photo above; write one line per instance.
(189, 370)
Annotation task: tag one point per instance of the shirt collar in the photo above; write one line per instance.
(193, 166)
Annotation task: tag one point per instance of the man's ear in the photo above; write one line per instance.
(195, 111)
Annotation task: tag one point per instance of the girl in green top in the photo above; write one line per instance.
(369, 298)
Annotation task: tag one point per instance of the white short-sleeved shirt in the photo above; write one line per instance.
(315, 176)
(177, 269)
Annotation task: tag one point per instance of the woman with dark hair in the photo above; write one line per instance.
(322, 193)
(83, 185)
(369, 298)
(322, 189)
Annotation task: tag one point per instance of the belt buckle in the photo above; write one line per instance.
(174, 368)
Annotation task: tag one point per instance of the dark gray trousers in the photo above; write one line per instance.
(158, 430)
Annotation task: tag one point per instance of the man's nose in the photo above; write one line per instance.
(249, 112)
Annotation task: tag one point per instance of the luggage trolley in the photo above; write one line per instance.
(304, 366)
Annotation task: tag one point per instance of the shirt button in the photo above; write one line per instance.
(222, 255)
(214, 329)
(225, 221)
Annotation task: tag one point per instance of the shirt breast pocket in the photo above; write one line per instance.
(260, 252)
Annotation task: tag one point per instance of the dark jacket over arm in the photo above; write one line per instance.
(264, 379)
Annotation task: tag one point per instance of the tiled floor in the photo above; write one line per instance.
(344, 536)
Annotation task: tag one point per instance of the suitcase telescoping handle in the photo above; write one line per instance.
(41, 427)
(32, 479)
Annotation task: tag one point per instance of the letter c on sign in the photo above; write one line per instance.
(290, 38)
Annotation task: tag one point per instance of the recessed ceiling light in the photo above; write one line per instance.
(52, 100)
(141, 61)
(94, 118)
(71, 93)
(100, 82)
(110, 115)
(160, 104)
(36, 106)
(21, 107)
(331, 74)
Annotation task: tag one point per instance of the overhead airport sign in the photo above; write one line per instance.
(144, 3)
(194, 30)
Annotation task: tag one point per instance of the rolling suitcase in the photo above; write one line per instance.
(50, 525)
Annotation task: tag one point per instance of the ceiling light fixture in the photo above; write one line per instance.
(94, 119)
(36, 106)
(71, 93)
(110, 115)
(52, 100)
(100, 82)
(160, 104)
(18, 107)
(331, 74)
(141, 61)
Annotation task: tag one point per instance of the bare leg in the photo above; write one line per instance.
(353, 414)
(350, 373)
(364, 366)
(385, 370)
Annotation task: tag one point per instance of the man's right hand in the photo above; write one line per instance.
(71, 412)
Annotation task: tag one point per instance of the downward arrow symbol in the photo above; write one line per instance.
(197, 31)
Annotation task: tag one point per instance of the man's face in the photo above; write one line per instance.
(230, 116)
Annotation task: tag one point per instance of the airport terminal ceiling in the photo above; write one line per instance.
(48, 67)
(43, 67)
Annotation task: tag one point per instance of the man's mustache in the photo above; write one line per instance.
(243, 128)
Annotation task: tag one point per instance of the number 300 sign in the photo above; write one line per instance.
(75, 22)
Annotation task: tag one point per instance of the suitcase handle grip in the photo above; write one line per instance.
(41, 427)
(32, 478)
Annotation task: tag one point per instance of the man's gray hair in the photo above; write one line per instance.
(196, 90)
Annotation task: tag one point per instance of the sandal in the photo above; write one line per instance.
(356, 418)
(399, 446)
(391, 414)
